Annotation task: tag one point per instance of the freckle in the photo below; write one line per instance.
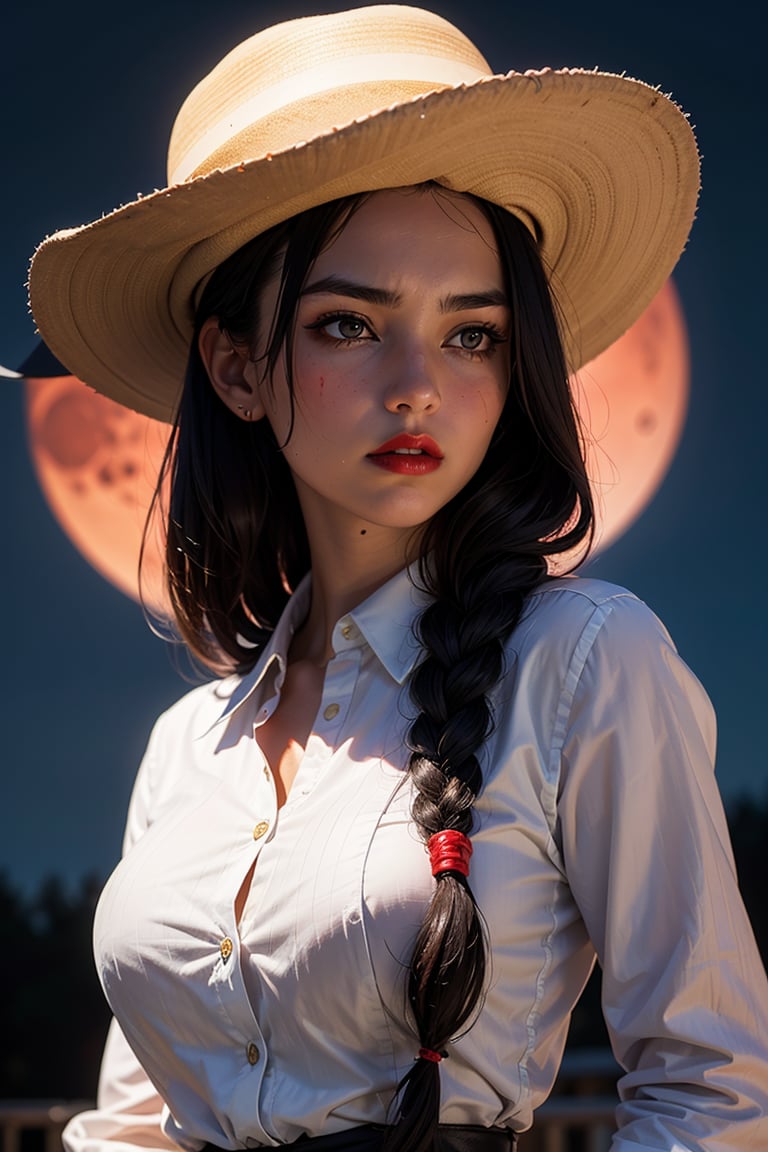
(322, 383)
(363, 531)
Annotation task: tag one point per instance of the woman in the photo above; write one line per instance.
(368, 870)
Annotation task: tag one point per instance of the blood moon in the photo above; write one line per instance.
(98, 462)
(632, 400)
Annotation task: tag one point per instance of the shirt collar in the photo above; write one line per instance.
(274, 658)
(385, 620)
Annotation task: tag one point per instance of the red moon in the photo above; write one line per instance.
(98, 462)
(632, 401)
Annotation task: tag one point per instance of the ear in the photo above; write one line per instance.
(230, 371)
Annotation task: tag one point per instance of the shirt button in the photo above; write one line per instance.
(348, 631)
(331, 711)
(252, 1053)
(225, 948)
(261, 829)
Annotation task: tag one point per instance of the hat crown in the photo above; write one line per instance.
(302, 78)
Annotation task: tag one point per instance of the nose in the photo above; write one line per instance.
(413, 385)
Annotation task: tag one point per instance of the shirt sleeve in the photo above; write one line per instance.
(129, 1111)
(648, 858)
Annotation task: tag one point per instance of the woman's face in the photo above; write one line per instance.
(401, 363)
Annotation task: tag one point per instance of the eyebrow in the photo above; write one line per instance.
(455, 302)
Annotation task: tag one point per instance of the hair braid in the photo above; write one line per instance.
(463, 639)
(481, 556)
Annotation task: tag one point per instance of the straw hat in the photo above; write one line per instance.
(602, 169)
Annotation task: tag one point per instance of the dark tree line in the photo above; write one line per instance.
(53, 1017)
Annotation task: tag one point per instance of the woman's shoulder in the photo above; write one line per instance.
(588, 656)
(582, 590)
(584, 636)
(577, 626)
(178, 753)
(564, 608)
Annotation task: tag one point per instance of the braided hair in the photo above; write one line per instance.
(483, 553)
(237, 547)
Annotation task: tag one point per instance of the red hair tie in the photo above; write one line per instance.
(428, 1054)
(449, 851)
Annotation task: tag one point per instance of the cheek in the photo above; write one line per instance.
(498, 393)
(481, 416)
(313, 394)
(500, 400)
(325, 415)
(314, 388)
(488, 407)
(311, 378)
(324, 392)
(318, 404)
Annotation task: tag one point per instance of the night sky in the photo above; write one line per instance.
(87, 100)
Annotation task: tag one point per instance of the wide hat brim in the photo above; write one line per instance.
(603, 169)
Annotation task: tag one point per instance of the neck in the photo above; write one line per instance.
(346, 569)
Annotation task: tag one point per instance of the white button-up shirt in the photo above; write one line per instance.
(599, 828)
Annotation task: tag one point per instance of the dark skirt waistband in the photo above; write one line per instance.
(369, 1138)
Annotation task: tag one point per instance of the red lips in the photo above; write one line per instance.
(406, 443)
(408, 455)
